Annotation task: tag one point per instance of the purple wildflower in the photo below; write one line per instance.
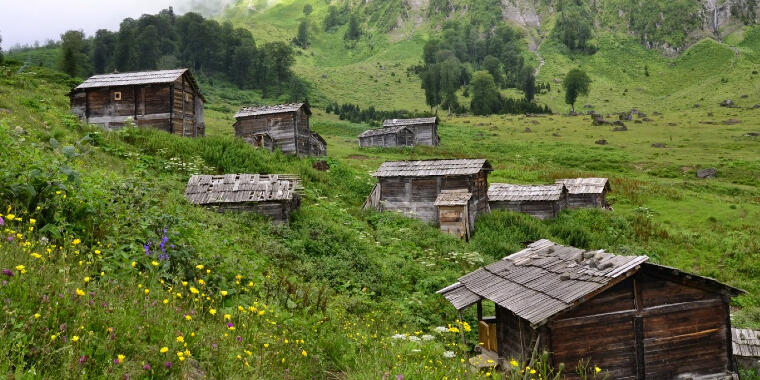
(82, 359)
(2, 221)
(146, 246)
(10, 238)
(116, 361)
(146, 367)
(8, 272)
(230, 324)
(168, 365)
(399, 377)
(239, 338)
(213, 346)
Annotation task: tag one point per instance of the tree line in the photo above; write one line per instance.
(494, 53)
(167, 41)
(355, 114)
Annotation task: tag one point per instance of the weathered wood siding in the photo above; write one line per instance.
(425, 134)
(539, 209)
(514, 335)
(454, 220)
(575, 201)
(647, 327)
(277, 211)
(175, 108)
(280, 126)
(402, 138)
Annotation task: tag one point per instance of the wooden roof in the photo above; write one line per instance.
(432, 168)
(138, 78)
(383, 131)
(513, 193)
(408, 122)
(746, 342)
(542, 280)
(268, 110)
(241, 188)
(453, 198)
(319, 138)
(585, 185)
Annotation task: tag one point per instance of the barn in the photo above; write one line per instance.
(390, 137)
(746, 344)
(287, 125)
(275, 196)
(631, 318)
(541, 201)
(169, 100)
(586, 192)
(425, 129)
(412, 187)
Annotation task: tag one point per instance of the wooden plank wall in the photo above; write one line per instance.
(454, 221)
(279, 126)
(183, 108)
(277, 211)
(647, 327)
(514, 335)
(425, 134)
(539, 209)
(575, 201)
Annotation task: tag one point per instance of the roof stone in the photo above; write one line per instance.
(408, 122)
(241, 188)
(505, 192)
(453, 198)
(268, 110)
(432, 168)
(584, 185)
(382, 131)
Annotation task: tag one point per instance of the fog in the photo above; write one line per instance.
(22, 22)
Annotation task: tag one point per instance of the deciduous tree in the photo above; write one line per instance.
(576, 83)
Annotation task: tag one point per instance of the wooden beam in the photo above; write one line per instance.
(638, 330)
(171, 108)
(729, 338)
(480, 310)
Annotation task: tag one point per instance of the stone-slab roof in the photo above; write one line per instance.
(585, 185)
(453, 198)
(241, 188)
(268, 110)
(432, 168)
(408, 122)
(504, 192)
(382, 131)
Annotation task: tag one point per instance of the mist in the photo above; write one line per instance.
(27, 22)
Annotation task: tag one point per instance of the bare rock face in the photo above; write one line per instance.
(522, 13)
(707, 173)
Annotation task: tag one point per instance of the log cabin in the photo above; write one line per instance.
(275, 196)
(540, 201)
(746, 343)
(286, 124)
(169, 100)
(586, 192)
(391, 137)
(631, 318)
(425, 129)
(453, 211)
(412, 187)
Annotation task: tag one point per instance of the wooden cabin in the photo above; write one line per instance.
(543, 202)
(425, 129)
(746, 347)
(631, 318)
(586, 192)
(286, 124)
(275, 196)
(261, 141)
(169, 100)
(412, 187)
(391, 137)
(453, 212)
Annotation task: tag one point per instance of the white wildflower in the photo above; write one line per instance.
(449, 354)
(427, 337)
(414, 338)
(441, 329)
(399, 337)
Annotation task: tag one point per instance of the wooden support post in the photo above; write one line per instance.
(480, 310)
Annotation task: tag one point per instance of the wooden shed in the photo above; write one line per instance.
(412, 187)
(541, 201)
(286, 124)
(633, 319)
(275, 195)
(425, 129)
(169, 100)
(746, 343)
(586, 192)
(390, 137)
(453, 212)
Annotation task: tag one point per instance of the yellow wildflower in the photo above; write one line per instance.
(36, 255)
(514, 363)
(202, 282)
(180, 339)
(21, 268)
(227, 317)
(134, 264)
(147, 291)
(164, 350)
(154, 263)
(597, 369)
(184, 283)
(87, 279)
(97, 251)
(212, 311)
(52, 337)
(10, 216)
(199, 266)
(224, 293)
(193, 290)
(76, 241)
(303, 352)
(36, 315)
(75, 338)
(80, 292)
(166, 301)
(32, 221)
(188, 317)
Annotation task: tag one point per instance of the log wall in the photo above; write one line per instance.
(575, 201)
(290, 131)
(454, 220)
(514, 335)
(425, 134)
(539, 209)
(277, 211)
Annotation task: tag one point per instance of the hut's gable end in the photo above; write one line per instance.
(746, 348)
(286, 124)
(425, 130)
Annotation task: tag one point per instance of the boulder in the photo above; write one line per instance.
(658, 145)
(673, 124)
(598, 119)
(731, 122)
(600, 142)
(697, 106)
(727, 103)
(588, 106)
(625, 116)
(527, 130)
(322, 165)
(707, 173)
(621, 128)
(756, 106)
(752, 134)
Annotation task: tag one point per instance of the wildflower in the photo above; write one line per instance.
(224, 293)
(193, 290)
(180, 339)
(449, 354)
(52, 337)
(266, 345)
(168, 365)
(427, 337)
(188, 317)
(283, 360)
(202, 282)
(102, 274)
(82, 359)
(146, 367)
(184, 283)
(230, 326)
(154, 263)
(97, 251)
(80, 292)
(399, 377)
(86, 279)
(76, 242)
(147, 291)
(7, 272)
(2, 222)
(227, 317)
(261, 313)
(75, 338)
(166, 301)
(514, 363)
(134, 264)
(414, 338)
(32, 221)
(36, 315)
(212, 311)
(10, 216)
(304, 353)
(163, 350)
(532, 371)
(21, 268)
(36, 255)
(597, 369)
(199, 266)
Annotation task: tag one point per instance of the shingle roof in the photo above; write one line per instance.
(383, 131)
(453, 198)
(408, 122)
(268, 110)
(240, 188)
(511, 193)
(585, 185)
(432, 168)
(746, 342)
(137, 78)
(542, 280)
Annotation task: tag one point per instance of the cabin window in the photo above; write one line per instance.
(117, 95)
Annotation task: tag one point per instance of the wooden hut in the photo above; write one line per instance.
(275, 196)
(286, 124)
(586, 192)
(412, 187)
(543, 202)
(746, 347)
(169, 100)
(453, 212)
(633, 319)
(425, 129)
(390, 137)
